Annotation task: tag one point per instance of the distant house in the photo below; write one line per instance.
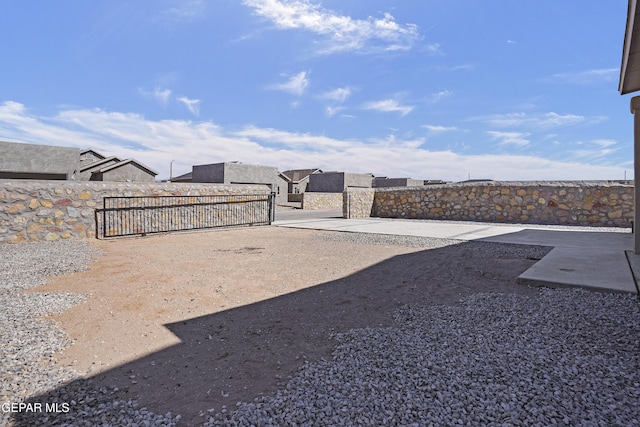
(94, 166)
(240, 173)
(470, 181)
(337, 182)
(128, 170)
(299, 179)
(32, 161)
(91, 164)
(90, 156)
(383, 182)
(47, 162)
(187, 177)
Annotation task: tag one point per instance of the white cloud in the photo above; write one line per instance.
(184, 10)
(433, 49)
(554, 119)
(463, 67)
(332, 111)
(157, 142)
(439, 96)
(388, 106)
(596, 149)
(546, 120)
(336, 97)
(341, 33)
(296, 85)
(293, 140)
(159, 94)
(604, 143)
(339, 95)
(439, 129)
(593, 154)
(162, 95)
(192, 104)
(510, 138)
(591, 76)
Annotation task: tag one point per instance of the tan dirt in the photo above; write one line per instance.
(193, 321)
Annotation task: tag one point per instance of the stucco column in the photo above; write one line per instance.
(635, 110)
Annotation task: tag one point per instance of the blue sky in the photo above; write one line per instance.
(428, 89)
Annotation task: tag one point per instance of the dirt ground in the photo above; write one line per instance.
(189, 322)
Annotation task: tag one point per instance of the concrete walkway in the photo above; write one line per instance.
(597, 258)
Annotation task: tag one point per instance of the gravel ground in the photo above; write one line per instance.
(569, 357)
(29, 342)
(560, 357)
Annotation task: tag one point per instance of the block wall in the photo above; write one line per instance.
(591, 203)
(316, 201)
(358, 203)
(52, 210)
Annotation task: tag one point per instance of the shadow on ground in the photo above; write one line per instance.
(220, 362)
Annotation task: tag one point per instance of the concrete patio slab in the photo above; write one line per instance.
(593, 268)
(567, 238)
(593, 259)
(404, 227)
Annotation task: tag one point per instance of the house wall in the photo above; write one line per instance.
(298, 187)
(359, 180)
(26, 161)
(337, 182)
(238, 173)
(89, 157)
(85, 175)
(590, 203)
(327, 182)
(208, 173)
(127, 173)
(281, 186)
(52, 210)
(396, 182)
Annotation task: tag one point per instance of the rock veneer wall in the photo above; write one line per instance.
(358, 203)
(591, 203)
(313, 200)
(52, 210)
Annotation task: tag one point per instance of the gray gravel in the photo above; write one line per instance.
(560, 357)
(567, 357)
(28, 343)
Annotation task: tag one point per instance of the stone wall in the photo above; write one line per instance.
(312, 200)
(52, 210)
(594, 203)
(358, 203)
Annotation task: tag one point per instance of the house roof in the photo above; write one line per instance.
(127, 161)
(91, 150)
(99, 163)
(297, 175)
(630, 67)
(183, 177)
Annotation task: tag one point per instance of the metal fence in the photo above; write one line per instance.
(127, 216)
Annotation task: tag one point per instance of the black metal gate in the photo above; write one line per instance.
(128, 216)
